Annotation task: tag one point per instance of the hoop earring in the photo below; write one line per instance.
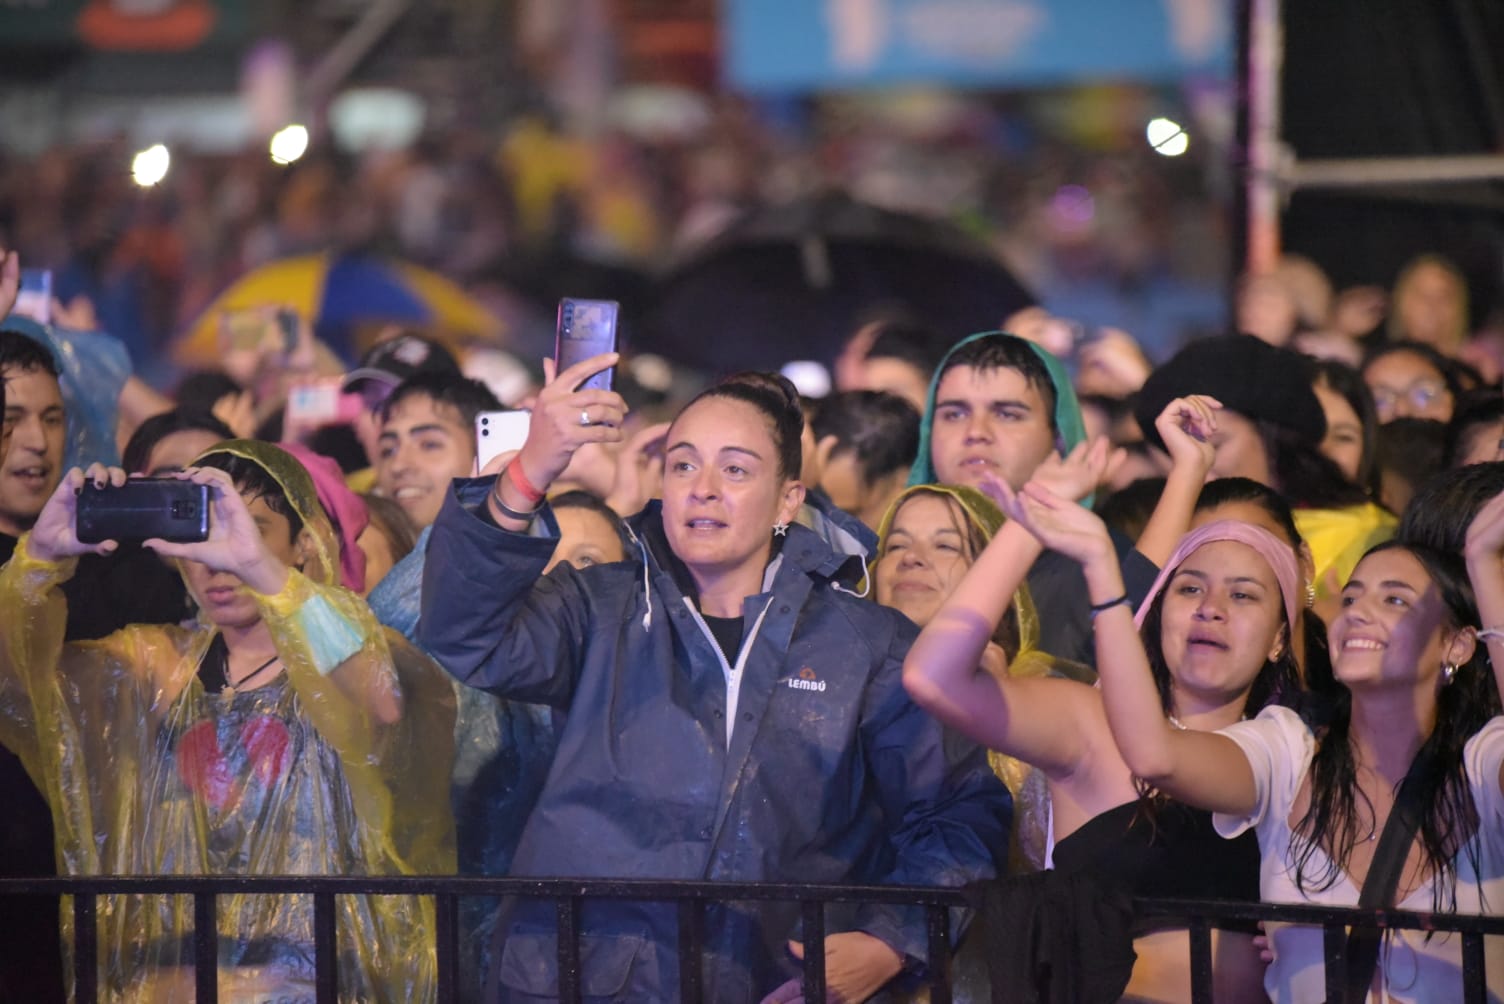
(1448, 672)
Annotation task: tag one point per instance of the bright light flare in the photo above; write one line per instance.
(1167, 137)
(289, 144)
(150, 166)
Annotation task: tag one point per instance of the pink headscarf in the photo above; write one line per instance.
(347, 511)
(1278, 553)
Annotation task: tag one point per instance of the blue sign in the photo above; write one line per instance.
(775, 46)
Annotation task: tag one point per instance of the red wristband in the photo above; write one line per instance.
(521, 483)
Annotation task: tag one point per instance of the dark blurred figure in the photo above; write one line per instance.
(1476, 431)
(1410, 454)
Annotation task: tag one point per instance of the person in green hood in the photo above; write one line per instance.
(1001, 407)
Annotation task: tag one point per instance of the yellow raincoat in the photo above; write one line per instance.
(1019, 637)
(146, 773)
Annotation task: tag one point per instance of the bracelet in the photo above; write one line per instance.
(1097, 608)
(1491, 634)
(508, 511)
(521, 483)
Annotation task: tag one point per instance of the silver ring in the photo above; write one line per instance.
(584, 417)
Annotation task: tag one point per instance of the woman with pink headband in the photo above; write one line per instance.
(1216, 627)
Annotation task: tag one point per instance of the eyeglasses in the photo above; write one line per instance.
(1420, 395)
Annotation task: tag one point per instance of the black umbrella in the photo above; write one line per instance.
(792, 282)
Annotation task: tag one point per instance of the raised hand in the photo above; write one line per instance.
(10, 280)
(1077, 474)
(639, 470)
(1187, 425)
(1060, 524)
(1485, 534)
(235, 544)
(564, 419)
(54, 536)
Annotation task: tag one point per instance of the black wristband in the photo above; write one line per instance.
(1097, 608)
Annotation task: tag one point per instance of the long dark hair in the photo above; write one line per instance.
(1333, 822)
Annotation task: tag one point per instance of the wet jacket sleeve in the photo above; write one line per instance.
(948, 814)
(490, 616)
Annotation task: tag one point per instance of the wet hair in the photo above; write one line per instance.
(1441, 510)
(1227, 491)
(1474, 411)
(881, 429)
(391, 521)
(26, 355)
(157, 428)
(466, 396)
(1348, 384)
(578, 499)
(254, 481)
(1003, 351)
(1333, 822)
(775, 397)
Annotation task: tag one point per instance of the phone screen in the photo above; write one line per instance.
(497, 432)
(586, 328)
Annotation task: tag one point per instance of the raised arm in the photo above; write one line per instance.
(1037, 720)
(1484, 552)
(1186, 425)
(1199, 768)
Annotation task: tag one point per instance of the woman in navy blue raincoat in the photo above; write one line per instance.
(733, 710)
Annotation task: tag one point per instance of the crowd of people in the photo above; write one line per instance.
(1004, 609)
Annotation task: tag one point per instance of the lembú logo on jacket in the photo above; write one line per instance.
(805, 679)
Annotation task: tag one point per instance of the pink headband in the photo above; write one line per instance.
(1279, 555)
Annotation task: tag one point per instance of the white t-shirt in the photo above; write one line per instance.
(1279, 748)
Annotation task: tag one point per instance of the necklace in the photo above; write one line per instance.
(230, 688)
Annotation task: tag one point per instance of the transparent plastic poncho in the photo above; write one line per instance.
(146, 773)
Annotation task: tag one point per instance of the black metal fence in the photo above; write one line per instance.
(692, 897)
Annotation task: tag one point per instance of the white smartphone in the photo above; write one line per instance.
(497, 432)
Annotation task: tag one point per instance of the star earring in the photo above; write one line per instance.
(780, 529)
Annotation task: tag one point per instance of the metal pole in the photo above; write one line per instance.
(1358, 172)
(1265, 62)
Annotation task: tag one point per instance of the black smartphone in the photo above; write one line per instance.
(143, 508)
(585, 328)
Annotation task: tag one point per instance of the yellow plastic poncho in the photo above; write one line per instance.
(1030, 793)
(148, 774)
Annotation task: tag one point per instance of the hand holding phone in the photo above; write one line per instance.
(142, 509)
(260, 330)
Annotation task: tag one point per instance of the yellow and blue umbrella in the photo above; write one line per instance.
(348, 298)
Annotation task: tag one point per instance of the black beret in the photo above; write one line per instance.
(1248, 375)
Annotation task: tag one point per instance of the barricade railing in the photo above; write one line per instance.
(1200, 917)
(1203, 915)
(567, 894)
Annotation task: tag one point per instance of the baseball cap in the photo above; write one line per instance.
(396, 359)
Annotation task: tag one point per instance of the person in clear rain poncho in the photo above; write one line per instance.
(282, 733)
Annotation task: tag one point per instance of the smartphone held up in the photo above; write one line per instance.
(498, 432)
(586, 328)
(142, 509)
